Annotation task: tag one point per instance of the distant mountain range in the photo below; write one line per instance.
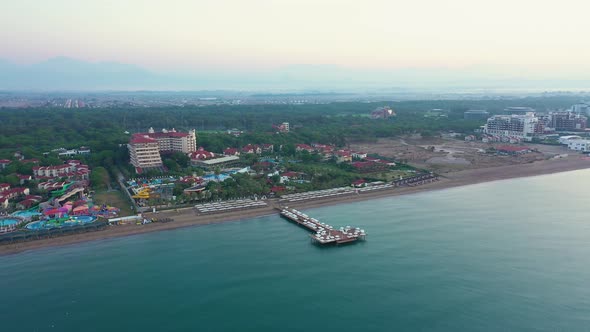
(64, 73)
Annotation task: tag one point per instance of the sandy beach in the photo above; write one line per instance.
(187, 218)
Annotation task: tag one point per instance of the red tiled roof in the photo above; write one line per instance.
(290, 174)
(303, 147)
(201, 154)
(57, 167)
(277, 189)
(5, 161)
(141, 139)
(165, 135)
(230, 151)
(250, 147)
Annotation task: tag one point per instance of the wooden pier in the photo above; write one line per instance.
(323, 233)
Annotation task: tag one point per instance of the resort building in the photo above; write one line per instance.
(231, 152)
(216, 162)
(63, 152)
(173, 141)
(252, 148)
(10, 194)
(343, 156)
(145, 148)
(144, 153)
(70, 170)
(520, 127)
(303, 147)
(4, 187)
(201, 154)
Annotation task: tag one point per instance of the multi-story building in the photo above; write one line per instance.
(73, 169)
(522, 127)
(567, 121)
(173, 141)
(145, 148)
(144, 152)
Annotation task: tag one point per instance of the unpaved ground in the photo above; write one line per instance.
(445, 155)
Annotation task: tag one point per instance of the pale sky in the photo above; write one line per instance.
(542, 35)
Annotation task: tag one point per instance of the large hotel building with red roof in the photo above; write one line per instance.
(145, 148)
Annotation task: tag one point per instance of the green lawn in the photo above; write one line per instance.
(114, 198)
(391, 175)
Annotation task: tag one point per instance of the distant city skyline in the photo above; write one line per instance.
(522, 39)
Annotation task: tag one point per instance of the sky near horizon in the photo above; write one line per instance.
(533, 35)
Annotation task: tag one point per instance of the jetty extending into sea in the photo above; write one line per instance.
(323, 233)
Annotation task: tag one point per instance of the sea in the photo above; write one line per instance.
(510, 255)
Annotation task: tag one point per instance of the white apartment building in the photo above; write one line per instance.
(523, 127)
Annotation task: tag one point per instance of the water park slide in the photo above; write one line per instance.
(61, 191)
(69, 194)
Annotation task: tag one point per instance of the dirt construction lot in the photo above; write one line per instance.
(444, 155)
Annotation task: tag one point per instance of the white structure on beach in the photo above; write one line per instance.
(579, 145)
(567, 139)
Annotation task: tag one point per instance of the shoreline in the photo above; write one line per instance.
(187, 218)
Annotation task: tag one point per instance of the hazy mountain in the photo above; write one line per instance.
(64, 73)
(67, 74)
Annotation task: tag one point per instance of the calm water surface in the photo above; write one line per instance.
(509, 255)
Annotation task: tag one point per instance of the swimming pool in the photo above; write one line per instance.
(60, 222)
(221, 177)
(26, 214)
(9, 222)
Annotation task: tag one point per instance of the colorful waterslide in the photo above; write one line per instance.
(61, 191)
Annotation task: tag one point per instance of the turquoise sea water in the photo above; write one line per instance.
(503, 256)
